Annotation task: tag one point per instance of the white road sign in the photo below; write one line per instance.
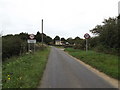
(86, 36)
(31, 41)
(31, 36)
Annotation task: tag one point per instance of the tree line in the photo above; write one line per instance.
(107, 36)
(15, 45)
(106, 40)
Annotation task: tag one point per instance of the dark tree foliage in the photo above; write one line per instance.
(93, 42)
(56, 38)
(63, 39)
(79, 43)
(118, 27)
(38, 36)
(46, 39)
(14, 45)
(97, 30)
(70, 41)
(107, 35)
(11, 46)
(23, 36)
(77, 40)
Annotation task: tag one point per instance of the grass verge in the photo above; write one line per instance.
(25, 71)
(103, 62)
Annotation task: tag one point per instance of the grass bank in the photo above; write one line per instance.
(24, 71)
(103, 62)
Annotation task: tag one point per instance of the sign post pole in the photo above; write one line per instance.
(34, 47)
(86, 36)
(31, 42)
(86, 45)
(28, 47)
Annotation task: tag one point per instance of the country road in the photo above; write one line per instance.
(62, 71)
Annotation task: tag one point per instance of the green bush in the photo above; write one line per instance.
(107, 39)
(80, 45)
(105, 49)
(11, 46)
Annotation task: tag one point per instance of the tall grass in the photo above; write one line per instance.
(24, 71)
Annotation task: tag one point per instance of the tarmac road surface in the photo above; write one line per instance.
(62, 71)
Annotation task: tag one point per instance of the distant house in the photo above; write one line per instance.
(58, 42)
(67, 43)
(62, 42)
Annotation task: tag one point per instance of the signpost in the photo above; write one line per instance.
(31, 41)
(86, 36)
(31, 36)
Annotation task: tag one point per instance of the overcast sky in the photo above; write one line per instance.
(66, 18)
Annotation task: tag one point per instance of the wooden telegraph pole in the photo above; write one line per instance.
(42, 32)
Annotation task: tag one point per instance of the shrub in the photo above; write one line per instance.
(11, 46)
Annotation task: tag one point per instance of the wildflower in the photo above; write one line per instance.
(9, 78)
(8, 75)
(20, 78)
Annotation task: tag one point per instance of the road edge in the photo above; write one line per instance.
(114, 82)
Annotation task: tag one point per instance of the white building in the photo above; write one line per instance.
(58, 42)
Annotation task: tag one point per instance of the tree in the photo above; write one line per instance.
(14, 45)
(56, 38)
(70, 41)
(78, 43)
(11, 46)
(97, 30)
(38, 37)
(77, 40)
(107, 34)
(48, 40)
(23, 36)
(63, 39)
